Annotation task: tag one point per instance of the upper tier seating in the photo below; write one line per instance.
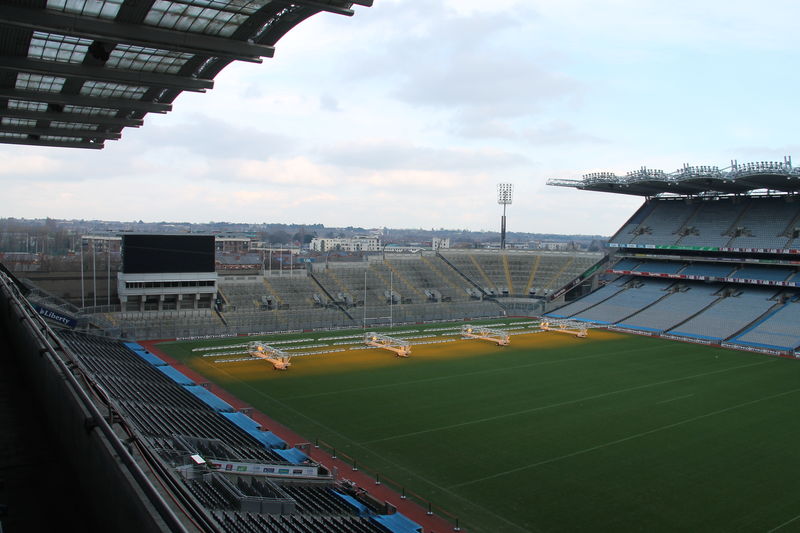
(749, 222)
(713, 270)
(769, 273)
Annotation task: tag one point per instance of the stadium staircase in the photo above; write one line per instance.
(479, 268)
(447, 279)
(701, 311)
(625, 287)
(387, 283)
(272, 292)
(221, 294)
(329, 296)
(731, 231)
(560, 271)
(645, 228)
(507, 271)
(648, 306)
(220, 317)
(463, 275)
(793, 225)
(764, 316)
(633, 222)
(532, 276)
(583, 276)
(337, 281)
(399, 275)
(686, 223)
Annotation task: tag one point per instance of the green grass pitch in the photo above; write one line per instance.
(554, 433)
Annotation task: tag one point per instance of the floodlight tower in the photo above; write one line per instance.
(504, 193)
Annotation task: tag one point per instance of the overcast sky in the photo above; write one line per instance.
(410, 113)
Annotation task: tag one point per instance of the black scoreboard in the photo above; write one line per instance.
(155, 254)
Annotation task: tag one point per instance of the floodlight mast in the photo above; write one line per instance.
(505, 191)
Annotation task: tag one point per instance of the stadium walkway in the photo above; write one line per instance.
(430, 523)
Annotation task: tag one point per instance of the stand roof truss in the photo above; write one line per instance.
(74, 73)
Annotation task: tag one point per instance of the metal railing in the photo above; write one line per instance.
(30, 330)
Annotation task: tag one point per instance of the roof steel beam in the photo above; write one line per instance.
(322, 6)
(135, 34)
(110, 75)
(121, 104)
(61, 132)
(102, 120)
(55, 144)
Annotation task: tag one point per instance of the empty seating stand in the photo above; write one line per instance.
(638, 295)
(716, 222)
(779, 330)
(158, 403)
(687, 300)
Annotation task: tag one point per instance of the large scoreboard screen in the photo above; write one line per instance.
(154, 254)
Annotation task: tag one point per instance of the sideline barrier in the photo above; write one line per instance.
(753, 348)
(694, 340)
(707, 342)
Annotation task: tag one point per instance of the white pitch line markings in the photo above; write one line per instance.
(675, 399)
(625, 439)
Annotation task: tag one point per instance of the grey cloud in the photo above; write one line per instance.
(506, 87)
(559, 132)
(551, 133)
(329, 103)
(486, 70)
(217, 139)
(397, 156)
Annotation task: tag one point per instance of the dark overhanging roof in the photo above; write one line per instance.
(739, 178)
(74, 73)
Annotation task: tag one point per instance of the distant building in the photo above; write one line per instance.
(232, 245)
(438, 244)
(555, 246)
(359, 243)
(405, 248)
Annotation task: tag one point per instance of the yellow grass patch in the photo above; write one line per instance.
(356, 360)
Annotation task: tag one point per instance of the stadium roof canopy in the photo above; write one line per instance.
(74, 73)
(694, 180)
